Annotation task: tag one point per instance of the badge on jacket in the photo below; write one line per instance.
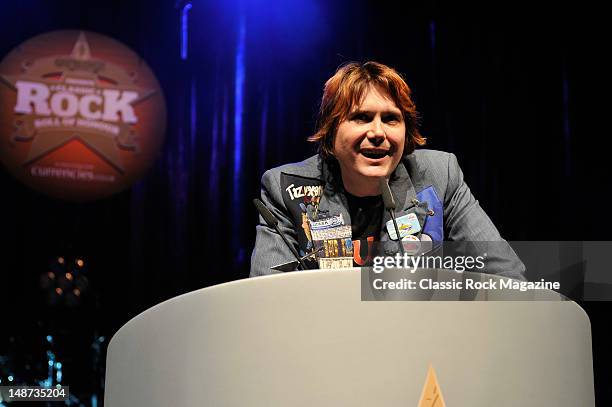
(301, 196)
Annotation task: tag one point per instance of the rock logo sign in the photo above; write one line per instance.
(81, 115)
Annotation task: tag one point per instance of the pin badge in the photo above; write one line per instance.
(407, 225)
(412, 244)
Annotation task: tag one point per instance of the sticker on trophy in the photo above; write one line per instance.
(334, 247)
(411, 244)
(336, 263)
(330, 227)
(407, 225)
(332, 242)
(327, 222)
(336, 232)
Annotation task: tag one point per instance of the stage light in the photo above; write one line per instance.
(65, 284)
(49, 339)
(184, 31)
(58, 373)
(10, 378)
(238, 130)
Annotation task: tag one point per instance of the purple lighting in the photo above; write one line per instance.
(238, 103)
(184, 30)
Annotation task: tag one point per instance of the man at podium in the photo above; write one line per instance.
(328, 208)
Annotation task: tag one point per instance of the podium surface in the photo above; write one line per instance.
(306, 339)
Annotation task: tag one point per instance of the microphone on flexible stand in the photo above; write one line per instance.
(389, 203)
(273, 223)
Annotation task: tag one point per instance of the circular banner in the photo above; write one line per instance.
(82, 116)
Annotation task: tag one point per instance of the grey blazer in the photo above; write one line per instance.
(426, 180)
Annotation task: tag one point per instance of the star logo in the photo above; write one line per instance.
(97, 95)
(431, 395)
(63, 93)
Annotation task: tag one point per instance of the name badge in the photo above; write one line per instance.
(407, 225)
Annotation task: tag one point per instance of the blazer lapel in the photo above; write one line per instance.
(333, 201)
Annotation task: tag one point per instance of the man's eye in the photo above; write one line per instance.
(361, 117)
(391, 119)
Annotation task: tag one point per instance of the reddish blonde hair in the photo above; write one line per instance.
(346, 89)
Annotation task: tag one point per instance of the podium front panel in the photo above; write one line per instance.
(307, 339)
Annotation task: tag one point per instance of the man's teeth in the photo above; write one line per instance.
(374, 154)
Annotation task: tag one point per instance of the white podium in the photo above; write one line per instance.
(307, 339)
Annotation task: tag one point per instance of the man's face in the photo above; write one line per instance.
(370, 142)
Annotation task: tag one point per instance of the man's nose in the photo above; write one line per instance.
(376, 134)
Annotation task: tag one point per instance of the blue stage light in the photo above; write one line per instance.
(238, 109)
(185, 30)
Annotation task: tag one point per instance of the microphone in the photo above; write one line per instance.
(389, 203)
(273, 223)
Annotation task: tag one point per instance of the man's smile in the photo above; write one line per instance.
(375, 153)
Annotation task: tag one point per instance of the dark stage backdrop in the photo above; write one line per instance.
(515, 91)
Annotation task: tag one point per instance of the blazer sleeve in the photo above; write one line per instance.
(466, 221)
(270, 250)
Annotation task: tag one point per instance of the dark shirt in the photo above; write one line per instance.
(366, 216)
